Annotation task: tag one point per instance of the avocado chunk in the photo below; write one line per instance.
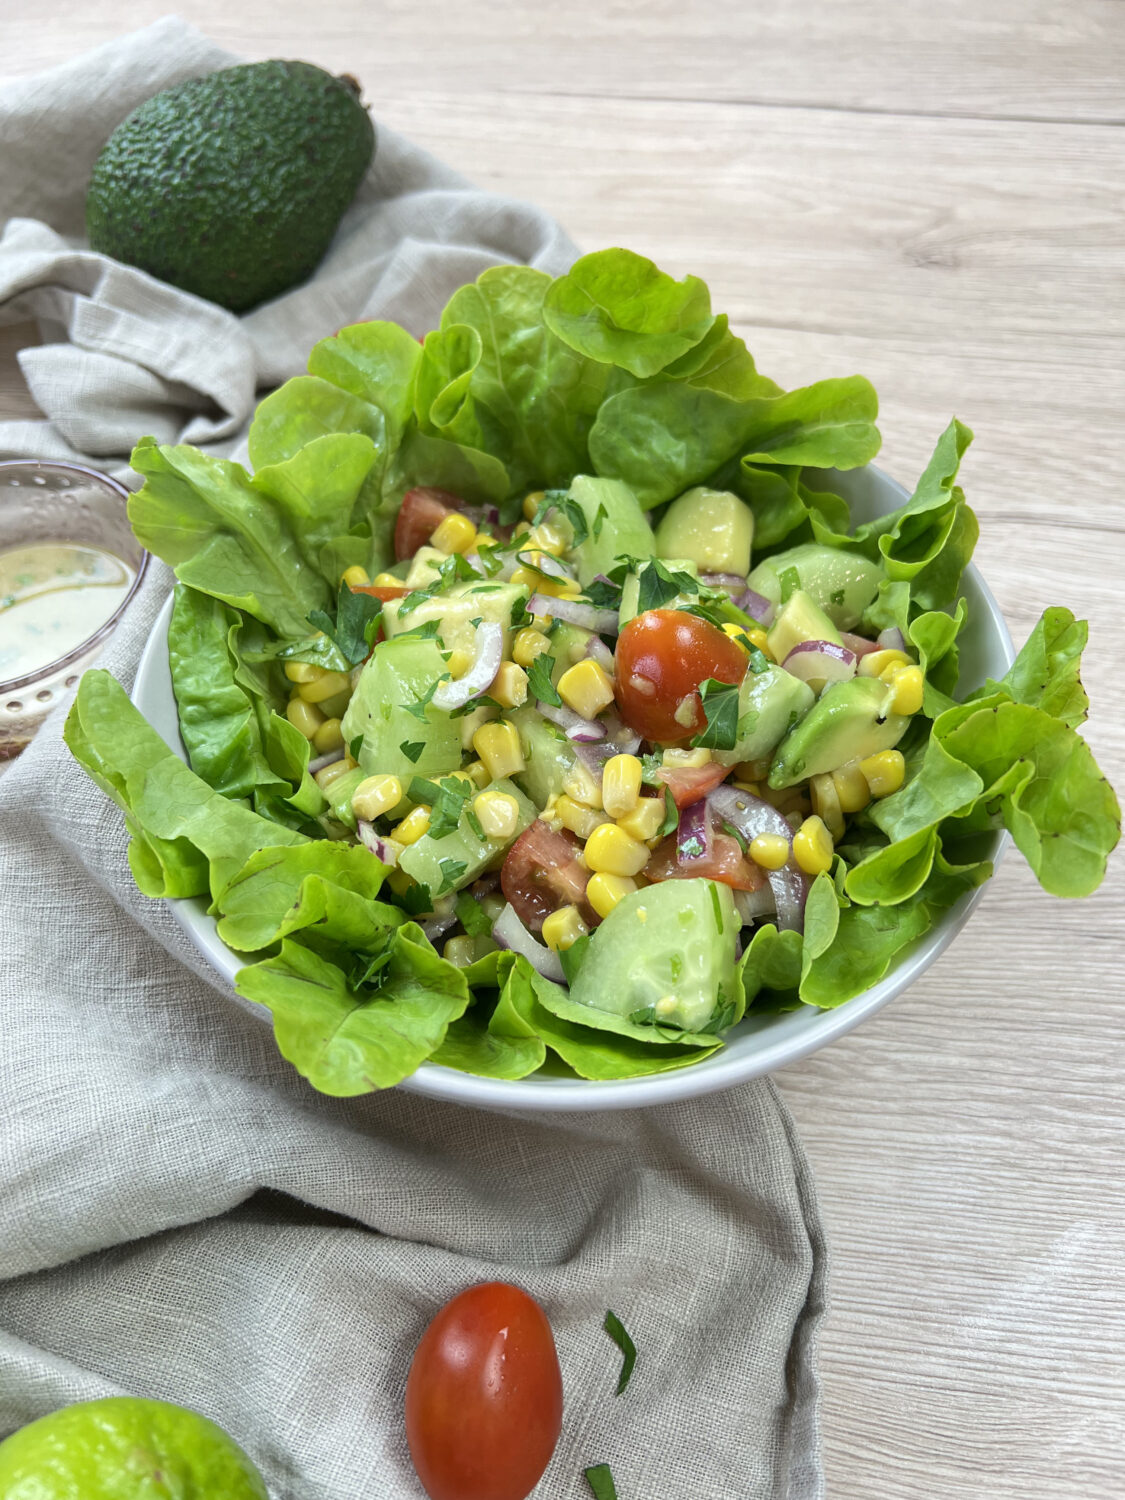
(548, 753)
(850, 721)
(618, 527)
(455, 610)
(395, 681)
(457, 859)
(665, 954)
(839, 582)
(800, 619)
(770, 703)
(713, 528)
(231, 186)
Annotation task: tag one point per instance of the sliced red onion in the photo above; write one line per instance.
(481, 515)
(728, 581)
(574, 726)
(694, 835)
(324, 760)
(545, 562)
(575, 612)
(751, 816)
(820, 661)
(892, 639)
(622, 739)
(434, 926)
(859, 643)
(510, 933)
(751, 905)
(485, 885)
(598, 651)
(757, 606)
(489, 653)
(374, 841)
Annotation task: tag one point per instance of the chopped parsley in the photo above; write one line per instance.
(716, 907)
(659, 585)
(490, 559)
(617, 1332)
(790, 581)
(836, 596)
(412, 601)
(600, 1480)
(651, 766)
(720, 705)
(416, 900)
(475, 824)
(671, 814)
(519, 615)
(412, 749)
(427, 631)
(446, 801)
(539, 680)
(354, 626)
(600, 518)
(759, 661)
(454, 570)
(471, 917)
(355, 745)
(560, 500)
(603, 593)
(451, 872)
(419, 709)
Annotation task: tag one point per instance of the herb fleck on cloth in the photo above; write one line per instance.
(180, 1215)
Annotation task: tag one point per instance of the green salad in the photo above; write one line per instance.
(545, 710)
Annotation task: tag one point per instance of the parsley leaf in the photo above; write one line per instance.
(616, 1330)
(603, 593)
(519, 616)
(412, 601)
(560, 500)
(600, 518)
(539, 680)
(454, 570)
(651, 766)
(571, 958)
(671, 814)
(659, 585)
(790, 581)
(600, 1480)
(355, 746)
(720, 705)
(836, 596)
(445, 800)
(348, 631)
(424, 632)
(416, 900)
(451, 872)
(412, 749)
(759, 661)
(490, 559)
(419, 709)
(471, 917)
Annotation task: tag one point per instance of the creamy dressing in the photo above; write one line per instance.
(53, 596)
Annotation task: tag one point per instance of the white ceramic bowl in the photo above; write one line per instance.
(758, 1044)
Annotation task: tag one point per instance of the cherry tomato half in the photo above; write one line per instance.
(541, 872)
(662, 657)
(727, 863)
(422, 512)
(484, 1396)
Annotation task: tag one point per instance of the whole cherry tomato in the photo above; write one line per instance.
(422, 512)
(662, 657)
(541, 872)
(484, 1396)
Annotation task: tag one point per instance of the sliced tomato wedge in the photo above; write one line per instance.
(689, 783)
(423, 510)
(541, 873)
(726, 863)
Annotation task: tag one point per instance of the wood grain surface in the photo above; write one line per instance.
(930, 195)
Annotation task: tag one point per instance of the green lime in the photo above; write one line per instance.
(125, 1448)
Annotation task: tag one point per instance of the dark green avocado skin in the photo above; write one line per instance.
(231, 186)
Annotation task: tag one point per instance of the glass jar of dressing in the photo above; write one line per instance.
(69, 566)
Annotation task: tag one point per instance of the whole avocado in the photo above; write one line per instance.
(231, 186)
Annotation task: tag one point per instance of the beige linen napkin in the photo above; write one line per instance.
(180, 1215)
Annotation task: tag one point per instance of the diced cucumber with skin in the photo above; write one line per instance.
(668, 948)
(422, 860)
(339, 796)
(770, 703)
(839, 582)
(568, 645)
(712, 527)
(800, 619)
(850, 721)
(455, 611)
(629, 608)
(618, 527)
(548, 753)
(394, 681)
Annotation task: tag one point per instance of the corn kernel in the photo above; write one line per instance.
(329, 737)
(455, 534)
(548, 538)
(612, 851)
(387, 581)
(541, 623)
(826, 804)
(527, 645)
(907, 685)
(586, 688)
(737, 635)
(413, 826)
(355, 577)
(400, 882)
(498, 746)
(470, 723)
(460, 951)
(304, 716)
(327, 685)
(563, 928)
(458, 662)
(531, 504)
(760, 639)
(812, 847)
(302, 671)
(579, 819)
(884, 773)
(674, 759)
(498, 813)
(875, 663)
(538, 583)
(603, 892)
(770, 850)
(550, 815)
(509, 686)
(463, 775)
(646, 819)
(580, 784)
(376, 795)
(332, 772)
(476, 773)
(851, 787)
(621, 785)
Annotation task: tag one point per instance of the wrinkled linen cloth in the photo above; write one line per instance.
(181, 1216)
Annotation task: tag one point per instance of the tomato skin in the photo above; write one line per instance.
(662, 657)
(689, 784)
(727, 863)
(541, 873)
(422, 512)
(484, 1396)
(381, 591)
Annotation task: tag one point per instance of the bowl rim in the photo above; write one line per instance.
(76, 653)
(544, 1094)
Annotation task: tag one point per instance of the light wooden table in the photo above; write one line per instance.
(929, 194)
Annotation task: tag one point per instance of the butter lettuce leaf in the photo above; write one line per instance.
(1045, 674)
(322, 889)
